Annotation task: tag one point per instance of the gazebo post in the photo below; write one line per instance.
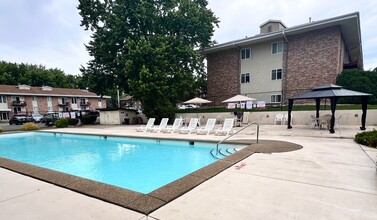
(333, 108)
(364, 103)
(290, 105)
(317, 104)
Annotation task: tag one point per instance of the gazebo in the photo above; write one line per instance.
(332, 92)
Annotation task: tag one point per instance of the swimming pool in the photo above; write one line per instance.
(141, 165)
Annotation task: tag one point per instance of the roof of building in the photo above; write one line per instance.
(273, 21)
(45, 91)
(349, 25)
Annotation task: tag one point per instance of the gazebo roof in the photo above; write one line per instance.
(328, 91)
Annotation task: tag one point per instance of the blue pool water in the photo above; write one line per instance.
(141, 165)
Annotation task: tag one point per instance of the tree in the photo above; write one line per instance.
(361, 81)
(148, 48)
(37, 75)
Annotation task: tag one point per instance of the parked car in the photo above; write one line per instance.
(188, 106)
(49, 118)
(19, 119)
(37, 117)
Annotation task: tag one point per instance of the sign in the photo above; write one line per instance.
(249, 104)
(261, 104)
(231, 105)
(73, 114)
(242, 105)
(65, 114)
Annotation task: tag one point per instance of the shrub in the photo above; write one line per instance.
(88, 119)
(1, 130)
(30, 126)
(61, 123)
(368, 138)
(73, 121)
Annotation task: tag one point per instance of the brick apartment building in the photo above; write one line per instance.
(16, 99)
(281, 62)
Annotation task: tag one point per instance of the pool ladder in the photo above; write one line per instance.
(231, 151)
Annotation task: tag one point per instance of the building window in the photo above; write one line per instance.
(245, 78)
(83, 108)
(49, 99)
(65, 108)
(277, 47)
(74, 100)
(82, 101)
(35, 109)
(245, 53)
(49, 108)
(34, 98)
(3, 99)
(4, 116)
(275, 98)
(276, 74)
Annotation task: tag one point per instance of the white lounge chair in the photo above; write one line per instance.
(176, 125)
(208, 128)
(146, 127)
(158, 128)
(191, 127)
(227, 127)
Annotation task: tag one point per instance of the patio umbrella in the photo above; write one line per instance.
(239, 98)
(197, 101)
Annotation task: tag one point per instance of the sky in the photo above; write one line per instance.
(48, 32)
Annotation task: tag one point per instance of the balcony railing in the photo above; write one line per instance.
(84, 103)
(19, 103)
(63, 104)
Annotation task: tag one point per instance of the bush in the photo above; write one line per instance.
(368, 138)
(1, 130)
(88, 119)
(30, 126)
(61, 123)
(73, 121)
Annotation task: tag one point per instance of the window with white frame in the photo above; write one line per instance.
(4, 116)
(275, 98)
(277, 47)
(83, 107)
(245, 78)
(276, 74)
(35, 98)
(74, 100)
(35, 109)
(49, 99)
(245, 53)
(49, 108)
(3, 99)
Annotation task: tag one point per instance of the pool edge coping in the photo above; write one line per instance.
(139, 202)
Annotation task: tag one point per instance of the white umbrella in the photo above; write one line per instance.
(197, 101)
(239, 98)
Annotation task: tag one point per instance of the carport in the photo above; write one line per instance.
(332, 92)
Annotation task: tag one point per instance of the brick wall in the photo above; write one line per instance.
(314, 58)
(223, 75)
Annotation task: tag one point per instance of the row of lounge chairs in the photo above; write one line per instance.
(226, 129)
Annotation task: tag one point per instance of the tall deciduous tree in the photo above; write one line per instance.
(148, 48)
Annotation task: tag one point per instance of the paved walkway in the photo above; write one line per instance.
(332, 177)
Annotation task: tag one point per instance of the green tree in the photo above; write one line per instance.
(37, 75)
(361, 81)
(148, 48)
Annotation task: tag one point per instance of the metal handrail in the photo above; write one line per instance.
(253, 123)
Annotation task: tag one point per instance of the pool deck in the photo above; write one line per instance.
(331, 177)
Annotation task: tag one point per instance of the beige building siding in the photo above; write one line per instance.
(260, 66)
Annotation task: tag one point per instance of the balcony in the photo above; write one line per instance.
(63, 104)
(84, 103)
(19, 103)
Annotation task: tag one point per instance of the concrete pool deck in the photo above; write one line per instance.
(330, 178)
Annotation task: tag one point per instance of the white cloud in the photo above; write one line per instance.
(48, 32)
